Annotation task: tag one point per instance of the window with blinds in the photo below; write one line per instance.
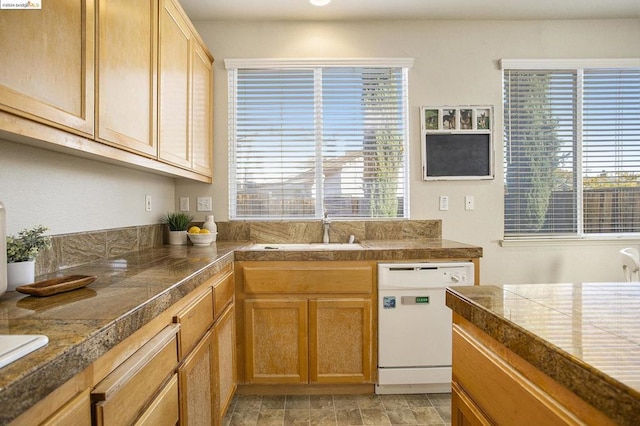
(308, 140)
(572, 151)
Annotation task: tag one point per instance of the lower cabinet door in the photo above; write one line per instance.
(340, 347)
(196, 393)
(224, 366)
(276, 341)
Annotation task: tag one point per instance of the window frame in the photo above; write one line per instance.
(232, 65)
(577, 65)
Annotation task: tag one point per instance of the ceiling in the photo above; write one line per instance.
(205, 10)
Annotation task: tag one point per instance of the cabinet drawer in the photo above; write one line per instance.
(163, 411)
(222, 295)
(122, 396)
(194, 321)
(308, 277)
(76, 412)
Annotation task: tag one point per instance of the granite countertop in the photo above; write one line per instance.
(585, 336)
(134, 288)
(84, 324)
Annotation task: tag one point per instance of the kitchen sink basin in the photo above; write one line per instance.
(307, 246)
(15, 346)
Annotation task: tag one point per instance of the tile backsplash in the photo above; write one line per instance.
(68, 250)
(339, 231)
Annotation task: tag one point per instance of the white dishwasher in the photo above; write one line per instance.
(414, 325)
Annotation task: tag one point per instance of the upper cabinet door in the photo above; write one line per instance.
(173, 86)
(201, 110)
(52, 81)
(127, 57)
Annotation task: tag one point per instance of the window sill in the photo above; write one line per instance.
(570, 241)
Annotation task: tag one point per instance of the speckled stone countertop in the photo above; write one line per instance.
(84, 324)
(585, 336)
(133, 288)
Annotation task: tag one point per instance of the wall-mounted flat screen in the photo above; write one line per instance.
(457, 156)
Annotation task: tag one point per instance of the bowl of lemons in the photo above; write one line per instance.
(201, 237)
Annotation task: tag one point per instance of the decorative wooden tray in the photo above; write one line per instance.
(56, 285)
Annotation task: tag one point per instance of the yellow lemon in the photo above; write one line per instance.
(204, 231)
(194, 230)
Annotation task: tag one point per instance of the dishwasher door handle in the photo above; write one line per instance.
(412, 268)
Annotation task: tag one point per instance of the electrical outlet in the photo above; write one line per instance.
(184, 204)
(444, 202)
(204, 204)
(147, 203)
(469, 202)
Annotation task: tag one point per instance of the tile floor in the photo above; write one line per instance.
(316, 410)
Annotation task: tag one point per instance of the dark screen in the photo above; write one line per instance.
(458, 155)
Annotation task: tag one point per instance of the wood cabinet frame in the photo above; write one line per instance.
(305, 288)
(93, 117)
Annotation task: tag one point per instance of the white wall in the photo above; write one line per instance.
(71, 194)
(455, 64)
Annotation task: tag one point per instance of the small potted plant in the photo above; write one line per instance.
(21, 255)
(178, 224)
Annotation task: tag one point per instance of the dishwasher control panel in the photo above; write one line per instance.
(454, 277)
(425, 274)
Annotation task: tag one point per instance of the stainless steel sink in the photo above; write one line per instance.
(306, 246)
(15, 346)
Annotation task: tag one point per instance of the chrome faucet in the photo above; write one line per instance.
(326, 222)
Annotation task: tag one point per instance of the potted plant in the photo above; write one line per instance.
(178, 224)
(21, 255)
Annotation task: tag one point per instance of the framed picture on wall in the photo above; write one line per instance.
(431, 119)
(457, 142)
(483, 119)
(449, 119)
(466, 119)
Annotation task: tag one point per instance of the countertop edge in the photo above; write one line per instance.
(20, 395)
(608, 395)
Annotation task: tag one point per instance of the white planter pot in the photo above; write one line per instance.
(178, 238)
(20, 273)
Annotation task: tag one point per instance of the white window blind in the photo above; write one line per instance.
(572, 151)
(310, 140)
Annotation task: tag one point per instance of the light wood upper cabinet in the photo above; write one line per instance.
(126, 84)
(132, 75)
(185, 82)
(174, 70)
(201, 111)
(48, 64)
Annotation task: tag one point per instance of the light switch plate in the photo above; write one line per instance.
(204, 204)
(184, 204)
(444, 202)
